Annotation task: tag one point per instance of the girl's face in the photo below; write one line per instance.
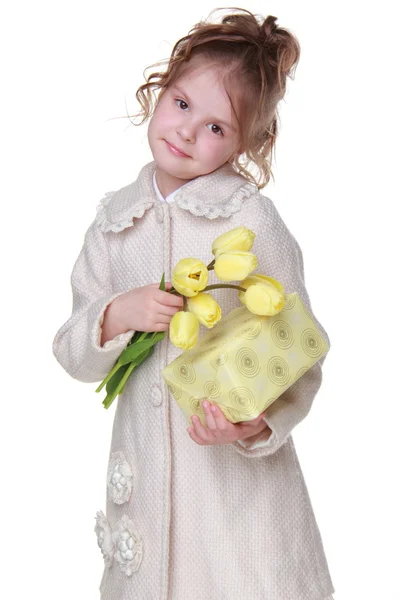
(194, 115)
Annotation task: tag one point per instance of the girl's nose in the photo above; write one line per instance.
(187, 132)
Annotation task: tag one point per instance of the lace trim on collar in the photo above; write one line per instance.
(212, 211)
(124, 220)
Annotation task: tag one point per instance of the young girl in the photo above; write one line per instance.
(200, 513)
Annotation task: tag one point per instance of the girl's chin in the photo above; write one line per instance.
(174, 166)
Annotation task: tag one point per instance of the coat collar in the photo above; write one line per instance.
(217, 194)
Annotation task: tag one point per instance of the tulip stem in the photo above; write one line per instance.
(210, 267)
(215, 286)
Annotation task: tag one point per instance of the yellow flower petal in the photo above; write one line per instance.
(206, 309)
(263, 299)
(234, 265)
(184, 330)
(189, 276)
(239, 238)
(259, 278)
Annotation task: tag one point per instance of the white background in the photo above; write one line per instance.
(68, 70)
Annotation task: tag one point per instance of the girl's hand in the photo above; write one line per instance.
(221, 431)
(146, 308)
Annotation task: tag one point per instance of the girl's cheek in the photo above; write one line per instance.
(210, 149)
(166, 121)
(217, 152)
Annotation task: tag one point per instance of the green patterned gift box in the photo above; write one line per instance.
(246, 361)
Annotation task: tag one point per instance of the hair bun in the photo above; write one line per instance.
(268, 28)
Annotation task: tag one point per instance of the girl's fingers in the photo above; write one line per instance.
(191, 431)
(219, 430)
(167, 299)
(168, 311)
(250, 428)
(257, 420)
(160, 318)
(197, 433)
(219, 419)
(211, 424)
(161, 327)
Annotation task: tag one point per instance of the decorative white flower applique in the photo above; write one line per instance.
(104, 537)
(128, 546)
(119, 478)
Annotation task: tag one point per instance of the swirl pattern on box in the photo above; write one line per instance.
(212, 389)
(253, 331)
(282, 334)
(278, 370)
(175, 390)
(219, 360)
(311, 342)
(242, 399)
(247, 362)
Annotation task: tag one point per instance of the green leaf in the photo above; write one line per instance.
(139, 359)
(109, 376)
(162, 284)
(112, 384)
(135, 337)
(131, 352)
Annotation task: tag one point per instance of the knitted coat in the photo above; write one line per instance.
(185, 521)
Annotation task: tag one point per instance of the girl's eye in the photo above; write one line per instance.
(178, 100)
(219, 128)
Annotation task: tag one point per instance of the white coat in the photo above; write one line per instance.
(185, 521)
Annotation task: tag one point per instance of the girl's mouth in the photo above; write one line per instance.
(176, 150)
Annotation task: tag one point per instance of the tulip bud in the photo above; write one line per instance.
(234, 265)
(259, 278)
(189, 276)
(239, 238)
(184, 330)
(264, 295)
(206, 309)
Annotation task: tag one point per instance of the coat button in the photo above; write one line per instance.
(156, 395)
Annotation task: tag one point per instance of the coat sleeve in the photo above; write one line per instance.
(279, 256)
(76, 345)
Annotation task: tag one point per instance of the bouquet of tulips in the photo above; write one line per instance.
(232, 261)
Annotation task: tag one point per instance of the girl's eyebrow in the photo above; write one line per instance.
(181, 91)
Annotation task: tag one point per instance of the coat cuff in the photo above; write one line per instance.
(77, 345)
(99, 360)
(248, 445)
(119, 341)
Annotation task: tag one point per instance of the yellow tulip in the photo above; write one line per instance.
(206, 309)
(239, 238)
(189, 276)
(258, 278)
(263, 296)
(184, 330)
(234, 265)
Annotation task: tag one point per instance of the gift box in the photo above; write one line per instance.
(246, 361)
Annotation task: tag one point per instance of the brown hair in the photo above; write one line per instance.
(252, 50)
